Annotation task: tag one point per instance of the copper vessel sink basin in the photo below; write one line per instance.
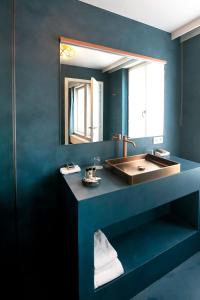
(143, 167)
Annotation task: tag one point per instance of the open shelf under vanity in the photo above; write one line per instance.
(140, 246)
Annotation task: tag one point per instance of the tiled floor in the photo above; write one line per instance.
(183, 283)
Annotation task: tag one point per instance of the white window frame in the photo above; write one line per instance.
(67, 82)
(146, 99)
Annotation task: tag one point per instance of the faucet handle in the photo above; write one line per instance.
(126, 137)
(117, 137)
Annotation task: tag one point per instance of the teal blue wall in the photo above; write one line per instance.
(39, 152)
(118, 100)
(7, 193)
(190, 138)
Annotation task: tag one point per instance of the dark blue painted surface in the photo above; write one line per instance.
(118, 102)
(81, 73)
(151, 271)
(39, 153)
(113, 183)
(125, 287)
(150, 240)
(147, 252)
(190, 141)
(180, 284)
(7, 197)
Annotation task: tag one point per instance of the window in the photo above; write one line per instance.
(82, 110)
(146, 100)
(88, 112)
(79, 107)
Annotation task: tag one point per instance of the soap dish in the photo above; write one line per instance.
(92, 182)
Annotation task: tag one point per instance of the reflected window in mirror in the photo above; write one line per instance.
(84, 102)
(146, 100)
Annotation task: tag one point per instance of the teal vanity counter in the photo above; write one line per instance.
(154, 226)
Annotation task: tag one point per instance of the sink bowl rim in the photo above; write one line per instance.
(168, 168)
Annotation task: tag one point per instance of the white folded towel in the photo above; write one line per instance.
(106, 263)
(104, 253)
(66, 170)
(108, 273)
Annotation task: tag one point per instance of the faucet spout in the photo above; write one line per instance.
(132, 143)
(118, 137)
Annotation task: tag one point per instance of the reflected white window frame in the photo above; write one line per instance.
(87, 132)
(82, 133)
(67, 81)
(132, 131)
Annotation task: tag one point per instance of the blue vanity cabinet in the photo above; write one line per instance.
(154, 226)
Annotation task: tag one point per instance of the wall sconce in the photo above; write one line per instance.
(66, 51)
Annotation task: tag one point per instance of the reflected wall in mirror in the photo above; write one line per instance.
(107, 91)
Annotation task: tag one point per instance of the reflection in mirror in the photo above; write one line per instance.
(107, 91)
(146, 100)
(84, 102)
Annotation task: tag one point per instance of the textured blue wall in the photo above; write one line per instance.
(115, 97)
(7, 199)
(39, 153)
(190, 138)
(118, 99)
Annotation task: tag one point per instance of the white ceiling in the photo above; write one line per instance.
(90, 58)
(167, 15)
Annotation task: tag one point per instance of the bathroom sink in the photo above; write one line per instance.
(143, 167)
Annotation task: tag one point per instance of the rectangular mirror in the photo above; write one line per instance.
(107, 91)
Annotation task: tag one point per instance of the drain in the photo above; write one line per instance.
(141, 168)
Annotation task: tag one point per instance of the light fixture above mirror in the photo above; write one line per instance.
(66, 51)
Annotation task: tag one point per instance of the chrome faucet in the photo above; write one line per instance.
(118, 137)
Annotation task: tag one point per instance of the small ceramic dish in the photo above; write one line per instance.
(91, 182)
